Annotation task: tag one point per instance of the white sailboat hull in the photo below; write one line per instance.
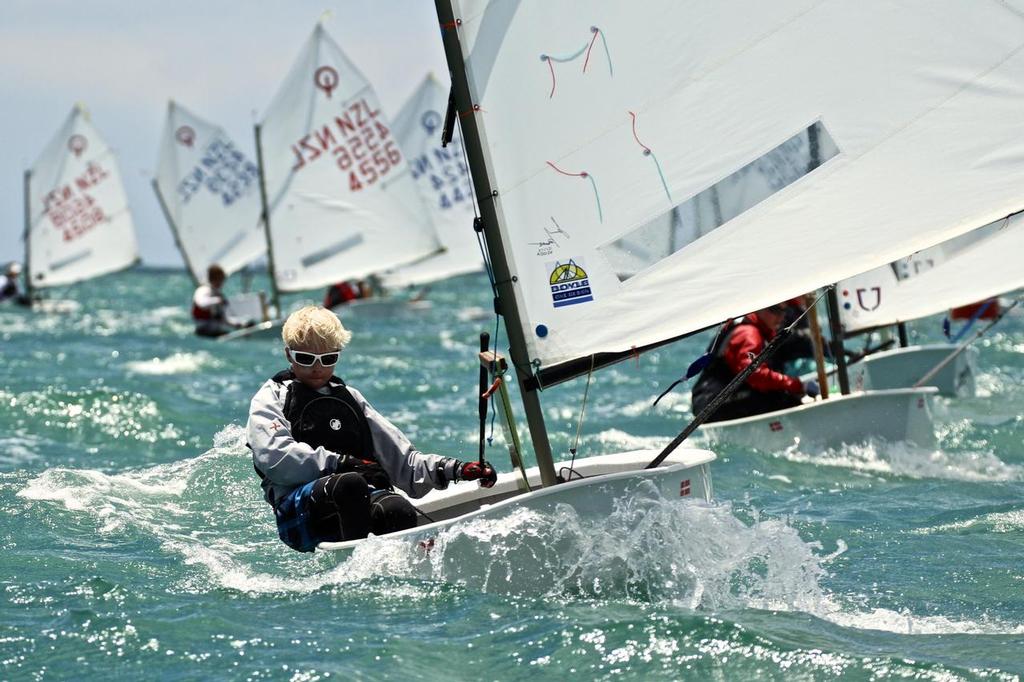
(685, 475)
(904, 367)
(892, 415)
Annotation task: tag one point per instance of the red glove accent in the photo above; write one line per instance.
(474, 471)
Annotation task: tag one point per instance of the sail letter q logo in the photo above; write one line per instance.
(326, 78)
(77, 144)
(185, 135)
(431, 121)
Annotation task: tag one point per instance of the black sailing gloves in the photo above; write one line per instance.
(475, 471)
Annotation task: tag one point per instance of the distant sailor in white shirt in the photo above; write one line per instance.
(9, 288)
(209, 305)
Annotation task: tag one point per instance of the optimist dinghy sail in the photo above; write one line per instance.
(605, 116)
(338, 192)
(210, 194)
(443, 180)
(975, 266)
(77, 222)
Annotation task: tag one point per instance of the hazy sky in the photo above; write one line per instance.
(224, 60)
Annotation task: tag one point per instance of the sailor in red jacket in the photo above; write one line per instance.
(765, 390)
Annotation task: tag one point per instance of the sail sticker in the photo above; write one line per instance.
(71, 209)
(357, 139)
(77, 144)
(444, 169)
(326, 78)
(185, 135)
(863, 301)
(223, 171)
(586, 49)
(569, 283)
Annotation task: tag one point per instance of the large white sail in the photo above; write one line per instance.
(603, 116)
(341, 196)
(79, 225)
(210, 191)
(982, 263)
(443, 180)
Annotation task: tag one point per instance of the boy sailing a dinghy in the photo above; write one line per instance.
(765, 390)
(329, 461)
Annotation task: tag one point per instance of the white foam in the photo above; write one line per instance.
(177, 363)
(616, 439)
(904, 459)
(996, 522)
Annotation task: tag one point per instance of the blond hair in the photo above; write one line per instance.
(314, 326)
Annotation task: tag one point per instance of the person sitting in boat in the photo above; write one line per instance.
(328, 461)
(765, 390)
(209, 305)
(341, 293)
(9, 288)
(796, 354)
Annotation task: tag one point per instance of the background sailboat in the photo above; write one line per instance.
(975, 266)
(77, 222)
(209, 192)
(339, 196)
(444, 183)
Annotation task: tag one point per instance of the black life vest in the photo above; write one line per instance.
(334, 421)
(717, 374)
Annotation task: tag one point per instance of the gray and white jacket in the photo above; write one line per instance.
(287, 464)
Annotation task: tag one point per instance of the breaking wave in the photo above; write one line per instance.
(694, 556)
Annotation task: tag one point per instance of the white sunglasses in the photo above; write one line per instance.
(304, 359)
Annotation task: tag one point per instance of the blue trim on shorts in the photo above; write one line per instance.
(293, 518)
(292, 513)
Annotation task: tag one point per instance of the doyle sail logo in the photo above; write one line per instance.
(569, 284)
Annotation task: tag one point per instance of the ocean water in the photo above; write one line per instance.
(135, 544)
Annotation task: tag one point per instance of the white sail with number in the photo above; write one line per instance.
(79, 225)
(443, 180)
(982, 263)
(211, 193)
(603, 116)
(341, 197)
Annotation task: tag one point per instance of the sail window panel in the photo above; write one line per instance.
(656, 240)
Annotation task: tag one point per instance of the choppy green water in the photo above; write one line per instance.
(135, 543)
